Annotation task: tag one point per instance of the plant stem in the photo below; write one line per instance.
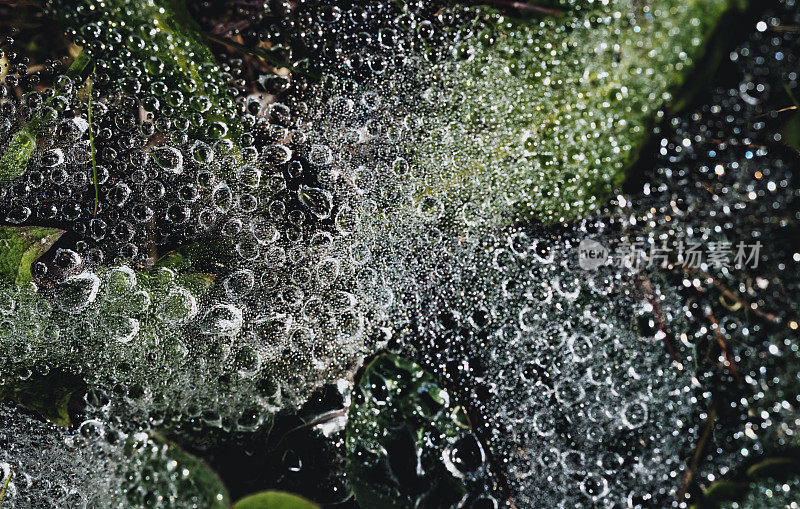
(91, 148)
(698, 453)
(256, 53)
(5, 486)
(647, 288)
(525, 7)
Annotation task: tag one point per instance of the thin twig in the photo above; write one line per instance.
(257, 53)
(322, 419)
(525, 7)
(786, 28)
(94, 154)
(762, 115)
(647, 288)
(736, 298)
(698, 453)
(5, 486)
(718, 142)
(723, 345)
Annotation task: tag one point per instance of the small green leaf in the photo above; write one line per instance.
(14, 161)
(48, 396)
(203, 478)
(176, 259)
(189, 257)
(197, 282)
(5, 486)
(274, 500)
(20, 247)
(774, 468)
(166, 464)
(722, 491)
(401, 417)
(188, 265)
(367, 496)
(790, 133)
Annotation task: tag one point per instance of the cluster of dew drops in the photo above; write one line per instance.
(284, 300)
(320, 256)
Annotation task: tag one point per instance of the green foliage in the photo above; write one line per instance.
(202, 478)
(402, 429)
(14, 161)
(144, 309)
(774, 468)
(206, 257)
(155, 463)
(48, 396)
(779, 468)
(790, 133)
(714, 50)
(20, 247)
(274, 500)
(161, 277)
(4, 487)
(20, 149)
(541, 117)
(166, 60)
(724, 490)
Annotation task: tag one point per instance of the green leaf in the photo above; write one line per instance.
(177, 259)
(401, 417)
(715, 49)
(166, 47)
(5, 486)
(197, 282)
(790, 133)
(529, 125)
(202, 477)
(169, 468)
(48, 396)
(274, 500)
(188, 261)
(14, 161)
(20, 247)
(196, 256)
(19, 151)
(157, 465)
(368, 496)
(727, 490)
(774, 468)
(723, 491)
